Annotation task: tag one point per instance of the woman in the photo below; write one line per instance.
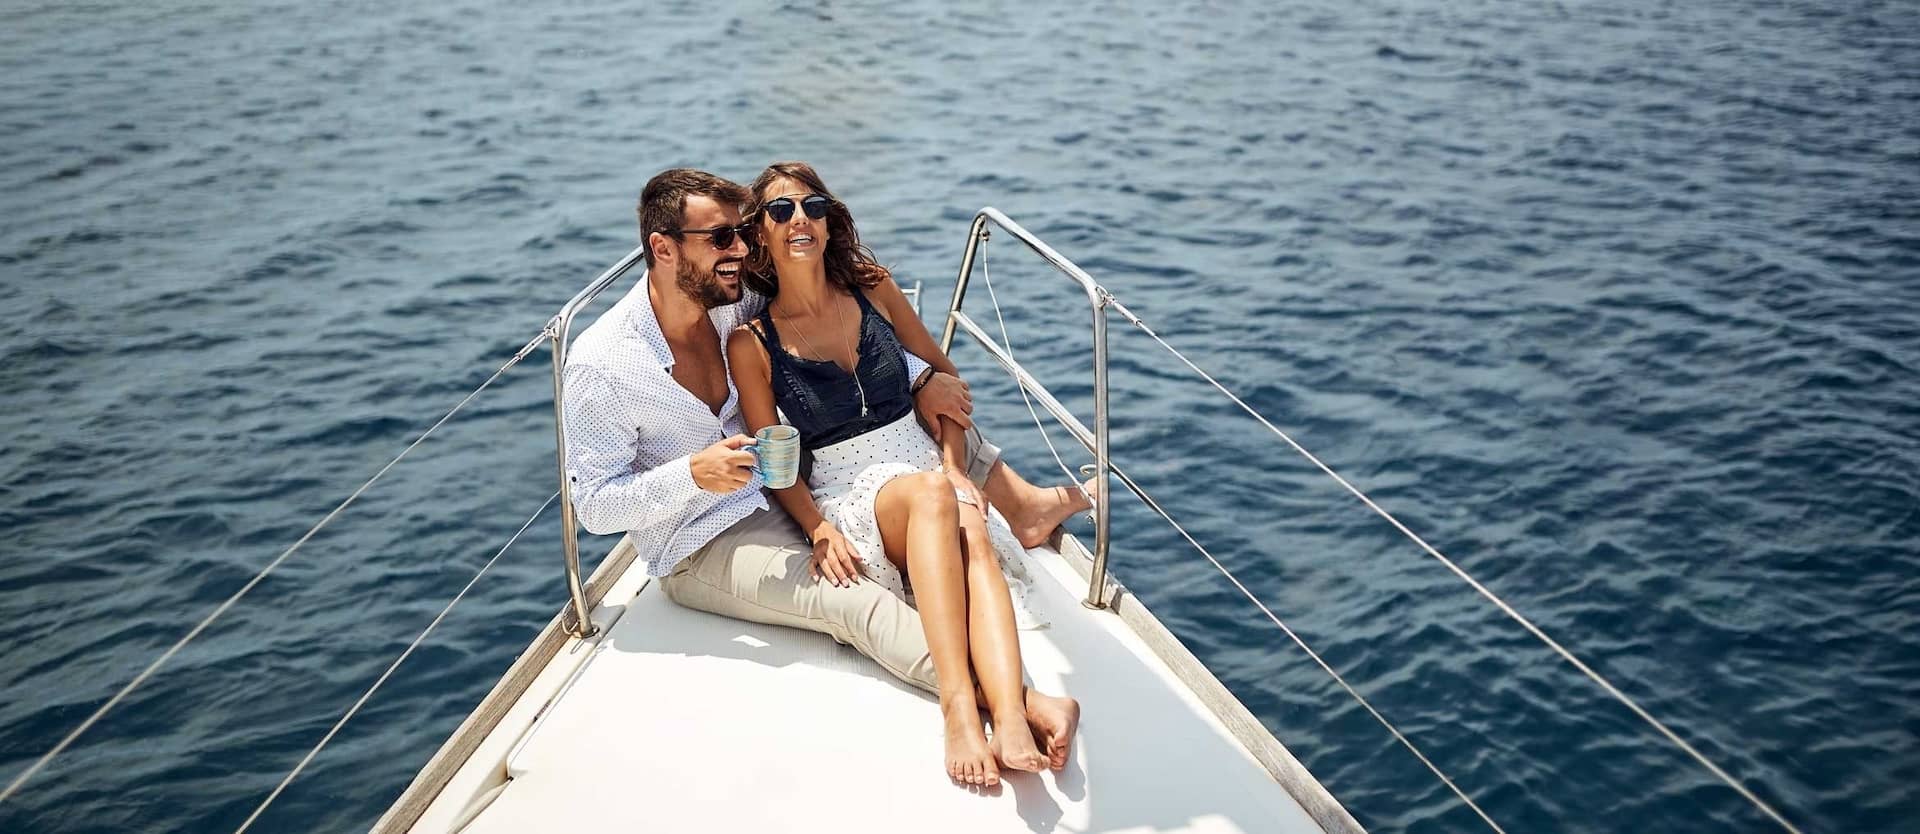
(882, 498)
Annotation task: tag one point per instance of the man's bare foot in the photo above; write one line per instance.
(1053, 721)
(1013, 745)
(969, 759)
(1036, 520)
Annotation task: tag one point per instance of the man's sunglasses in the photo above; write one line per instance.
(722, 236)
(781, 210)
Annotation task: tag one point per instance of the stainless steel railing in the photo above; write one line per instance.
(557, 330)
(1098, 300)
(1096, 442)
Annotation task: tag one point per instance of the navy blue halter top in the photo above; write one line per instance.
(822, 400)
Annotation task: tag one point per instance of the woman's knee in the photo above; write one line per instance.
(932, 492)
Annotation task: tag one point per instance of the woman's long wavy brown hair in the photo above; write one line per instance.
(850, 266)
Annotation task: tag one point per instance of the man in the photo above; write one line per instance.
(654, 441)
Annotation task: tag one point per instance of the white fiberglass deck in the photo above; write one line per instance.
(685, 721)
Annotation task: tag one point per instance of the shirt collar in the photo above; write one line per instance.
(647, 326)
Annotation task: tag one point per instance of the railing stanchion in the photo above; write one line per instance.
(1097, 300)
(1097, 579)
(558, 330)
(582, 625)
(974, 236)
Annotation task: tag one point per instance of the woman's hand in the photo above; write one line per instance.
(834, 556)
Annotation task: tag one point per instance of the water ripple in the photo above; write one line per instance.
(1614, 303)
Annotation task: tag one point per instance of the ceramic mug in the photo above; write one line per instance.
(776, 456)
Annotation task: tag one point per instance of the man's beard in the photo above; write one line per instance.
(705, 287)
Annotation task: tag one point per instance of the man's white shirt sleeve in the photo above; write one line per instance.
(602, 445)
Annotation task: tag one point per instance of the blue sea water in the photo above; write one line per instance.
(1618, 304)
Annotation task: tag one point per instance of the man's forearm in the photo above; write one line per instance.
(638, 500)
(608, 494)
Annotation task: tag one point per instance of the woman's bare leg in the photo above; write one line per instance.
(995, 646)
(919, 525)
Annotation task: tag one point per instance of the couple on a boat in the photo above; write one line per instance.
(760, 298)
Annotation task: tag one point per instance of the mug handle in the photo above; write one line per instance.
(759, 469)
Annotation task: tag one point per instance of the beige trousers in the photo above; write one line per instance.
(758, 570)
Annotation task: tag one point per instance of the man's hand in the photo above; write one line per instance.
(722, 467)
(944, 395)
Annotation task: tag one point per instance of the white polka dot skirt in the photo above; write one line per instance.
(846, 481)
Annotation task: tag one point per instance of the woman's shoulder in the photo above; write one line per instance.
(747, 337)
(884, 295)
(747, 356)
(872, 276)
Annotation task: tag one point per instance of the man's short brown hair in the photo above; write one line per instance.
(664, 201)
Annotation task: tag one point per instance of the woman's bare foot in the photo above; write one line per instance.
(969, 759)
(1051, 506)
(1053, 720)
(1013, 744)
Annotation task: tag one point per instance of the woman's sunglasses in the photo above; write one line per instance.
(722, 236)
(781, 209)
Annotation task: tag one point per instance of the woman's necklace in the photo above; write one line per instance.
(839, 319)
